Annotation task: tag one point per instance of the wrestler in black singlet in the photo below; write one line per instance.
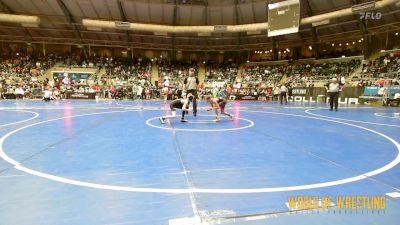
(176, 104)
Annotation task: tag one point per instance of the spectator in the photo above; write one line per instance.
(19, 92)
(397, 98)
(48, 95)
(276, 92)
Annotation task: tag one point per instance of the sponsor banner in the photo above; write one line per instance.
(377, 91)
(246, 97)
(73, 95)
(348, 92)
(73, 75)
(342, 100)
(299, 91)
(371, 90)
(393, 90)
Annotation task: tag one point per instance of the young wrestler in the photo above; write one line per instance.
(216, 104)
(178, 104)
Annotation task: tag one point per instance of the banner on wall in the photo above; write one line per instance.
(73, 75)
(375, 91)
(73, 95)
(342, 100)
(349, 95)
(393, 90)
(371, 90)
(299, 91)
(246, 97)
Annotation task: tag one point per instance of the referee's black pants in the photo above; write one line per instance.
(283, 97)
(333, 99)
(194, 93)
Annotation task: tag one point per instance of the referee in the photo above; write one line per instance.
(283, 94)
(333, 88)
(191, 84)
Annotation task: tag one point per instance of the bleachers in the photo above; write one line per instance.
(175, 71)
(270, 74)
(385, 66)
(127, 75)
(128, 70)
(221, 71)
(310, 74)
(23, 71)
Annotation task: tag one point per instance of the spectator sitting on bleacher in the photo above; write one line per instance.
(48, 95)
(19, 92)
(397, 98)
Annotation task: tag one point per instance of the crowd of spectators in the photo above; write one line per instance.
(174, 70)
(126, 79)
(130, 78)
(19, 74)
(308, 74)
(171, 75)
(269, 74)
(20, 77)
(128, 70)
(298, 73)
(387, 66)
(221, 71)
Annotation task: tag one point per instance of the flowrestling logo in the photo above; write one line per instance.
(337, 202)
(370, 15)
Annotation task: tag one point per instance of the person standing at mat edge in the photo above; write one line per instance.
(333, 88)
(191, 84)
(283, 93)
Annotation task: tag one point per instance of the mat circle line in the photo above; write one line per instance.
(17, 165)
(337, 118)
(251, 123)
(21, 121)
(393, 117)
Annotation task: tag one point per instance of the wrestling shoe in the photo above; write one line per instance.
(162, 120)
(231, 117)
(184, 121)
(217, 120)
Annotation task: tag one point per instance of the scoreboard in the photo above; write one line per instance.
(283, 17)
